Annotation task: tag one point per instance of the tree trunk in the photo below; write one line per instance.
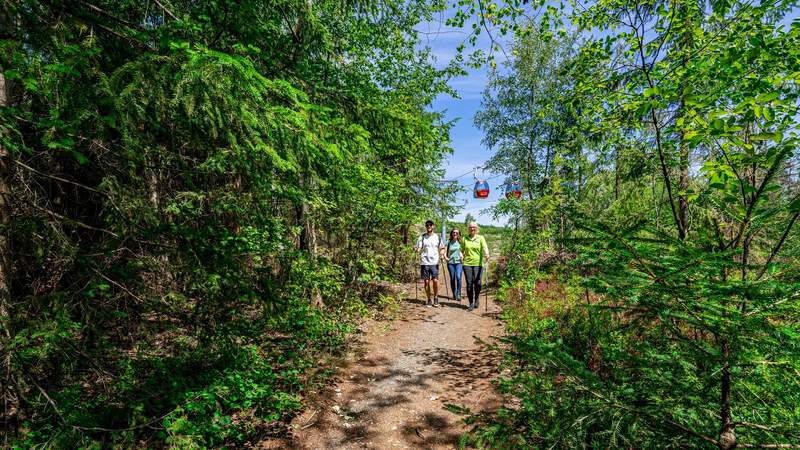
(580, 180)
(529, 173)
(308, 238)
(9, 394)
(616, 173)
(686, 45)
(727, 434)
(308, 235)
(546, 172)
(683, 183)
(152, 182)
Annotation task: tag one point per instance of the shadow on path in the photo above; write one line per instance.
(394, 394)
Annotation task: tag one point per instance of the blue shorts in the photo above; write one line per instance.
(429, 272)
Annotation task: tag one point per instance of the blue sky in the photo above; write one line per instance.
(468, 152)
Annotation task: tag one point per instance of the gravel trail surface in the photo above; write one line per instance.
(392, 394)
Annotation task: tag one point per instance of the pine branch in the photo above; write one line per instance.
(778, 246)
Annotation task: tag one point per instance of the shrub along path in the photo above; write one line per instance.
(393, 392)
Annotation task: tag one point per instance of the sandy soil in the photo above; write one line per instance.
(392, 393)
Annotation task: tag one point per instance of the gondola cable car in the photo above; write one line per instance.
(513, 190)
(481, 189)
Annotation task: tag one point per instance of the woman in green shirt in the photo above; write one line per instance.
(454, 262)
(475, 253)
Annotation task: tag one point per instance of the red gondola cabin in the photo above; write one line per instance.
(513, 190)
(481, 189)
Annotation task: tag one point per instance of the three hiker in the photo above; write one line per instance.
(467, 253)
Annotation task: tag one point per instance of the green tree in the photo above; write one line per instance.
(681, 329)
(469, 218)
(179, 182)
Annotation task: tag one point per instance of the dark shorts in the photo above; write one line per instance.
(429, 272)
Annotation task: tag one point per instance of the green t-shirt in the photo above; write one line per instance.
(454, 252)
(472, 249)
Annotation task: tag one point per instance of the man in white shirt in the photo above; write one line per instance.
(431, 249)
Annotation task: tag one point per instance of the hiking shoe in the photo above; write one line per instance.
(436, 303)
(429, 304)
(471, 307)
(477, 303)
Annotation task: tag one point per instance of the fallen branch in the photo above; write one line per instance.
(166, 10)
(118, 285)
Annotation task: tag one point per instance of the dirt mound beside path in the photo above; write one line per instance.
(393, 393)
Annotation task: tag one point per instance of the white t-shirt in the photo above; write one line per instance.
(430, 245)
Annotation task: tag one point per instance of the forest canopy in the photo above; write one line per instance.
(194, 198)
(199, 199)
(652, 285)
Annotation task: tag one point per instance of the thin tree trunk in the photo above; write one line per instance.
(580, 180)
(546, 164)
(308, 235)
(686, 44)
(616, 173)
(727, 434)
(152, 178)
(683, 182)
(10, 397)
(529, 171)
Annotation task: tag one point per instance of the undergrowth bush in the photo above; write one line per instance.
(212, 399)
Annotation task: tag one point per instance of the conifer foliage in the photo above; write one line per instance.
(192, 195)
(653, 294)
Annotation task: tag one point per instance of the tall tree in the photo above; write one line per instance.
(188, 178)
(686, 327)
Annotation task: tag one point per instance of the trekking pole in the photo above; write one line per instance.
(486, 292)
(446, 286)
(416, 285)
(461, 281)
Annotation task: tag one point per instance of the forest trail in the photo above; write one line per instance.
(393, 392)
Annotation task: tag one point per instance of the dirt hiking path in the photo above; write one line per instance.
(392, 395)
